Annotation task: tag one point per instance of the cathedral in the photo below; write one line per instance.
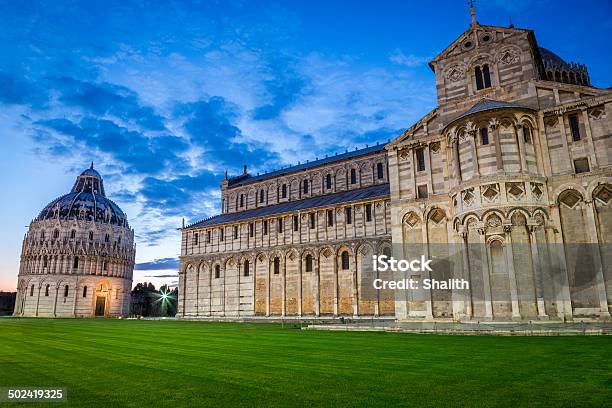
(77, 257)
(506, 184)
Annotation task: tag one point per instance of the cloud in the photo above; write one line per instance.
(158, 265)
(398, 57)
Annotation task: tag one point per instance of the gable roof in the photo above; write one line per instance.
(344, 197)
(242, 180)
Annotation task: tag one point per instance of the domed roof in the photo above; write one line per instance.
(549, 57)
(86, 201)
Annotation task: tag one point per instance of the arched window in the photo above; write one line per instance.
(32, 290)
(305, 189)
(276, 266)
(564, 76)
(557, 76)
(241, 200)
(45, 261)
(261, 196)
(246, 267)
(84, 291)
(104, 266)
(527, 134)
(328, 181)
(483, 77)
(353, 176)
(66, 291)
(284, 191)
(47, 290)
(217, 271)
(308, 263)
(75, 263)
(56, 234)
(91, 235)
(484, 136)
(345, 260)
(72, 234)
(380, 170)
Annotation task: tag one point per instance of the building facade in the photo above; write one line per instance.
(77, 257)
(507, 184)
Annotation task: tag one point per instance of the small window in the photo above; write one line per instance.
(486, 76)
(208, 237)
(32, 290)
(345, 260)
(265, 227)
(353, 176)
(221, 234)
(328, 181)
(279, 224)
(56, 234)
(66, 291)
(251, 229)
(284, 191)
(42, 234)
(348, 214)
(91, 235)
(422, 191)
(484, 136)
(217, 271)
(246, 267)
(305, 187)
(235, 232)
(241, 200)
(276, 266)
(420, 156)
(581, 165)
(330, 218)
(295, 223)
(104, 266)
(45, 261)
(368, 212)
(380, 171)
(478, 75)
(84, 291)
(75, 263)
(308, 263)
(527, 134)
(47, 290)
(312, 220)
(575, 127)
(106, 238)
(261, 196)
(72, 234)
(195, 238)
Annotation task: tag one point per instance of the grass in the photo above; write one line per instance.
(173, 363)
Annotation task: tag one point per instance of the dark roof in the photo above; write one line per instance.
(240, 180)
(487, 105)
(380, 190)
(86, 200)
(550, 57)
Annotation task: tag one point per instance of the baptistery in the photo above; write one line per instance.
(77, 257)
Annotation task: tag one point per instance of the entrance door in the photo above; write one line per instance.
(100, 302)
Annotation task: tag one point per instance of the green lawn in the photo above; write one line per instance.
(172, 363)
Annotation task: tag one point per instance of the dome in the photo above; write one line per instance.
(86, 201)
(550, 58)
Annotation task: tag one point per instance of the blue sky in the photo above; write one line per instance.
(165, 96)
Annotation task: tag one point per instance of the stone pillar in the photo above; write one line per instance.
(516, 313)
(564, 301)
(472, 133)
(466, 271)
(300, 266)
(268, 288)
(355, 286)
(38, 299)
(597, 263)
(57, 286)
(284, 288)
(537, 271)
(494, 126)
(239, 272)
(570, 167)
(485, 274)
(589, 139)
(318, 292)
(543, 143)
(520, 135)
(425, 274)
(336, 297)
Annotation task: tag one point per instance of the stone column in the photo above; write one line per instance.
(57, 286)
(425, 274)
(537, 270)
(268, 288)
(318, 292)
(494, 126)
(597, 263)
(589, 139)
(197, 304)
(564, 301)
(355, 286)
(284, 288)
(472, 133)
(520, 134)
(300, 266)
(485, 274)
(543, 143)
(239, 271)
(336, 297)
(516, 313)
(38, 299)
(570, 168)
